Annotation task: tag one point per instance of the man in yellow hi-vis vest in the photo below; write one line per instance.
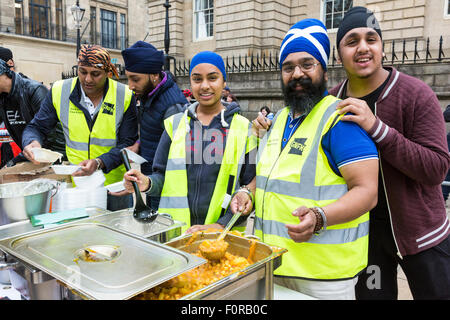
(98, 116)
(316, 176)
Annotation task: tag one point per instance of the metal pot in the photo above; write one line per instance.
(20, 200)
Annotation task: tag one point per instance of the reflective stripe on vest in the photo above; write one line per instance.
(298, 176)
(81, 142)
(174, 196)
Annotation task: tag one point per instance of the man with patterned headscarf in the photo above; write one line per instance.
(98, 116)
(316, 177)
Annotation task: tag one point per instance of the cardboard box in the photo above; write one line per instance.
(27, 171)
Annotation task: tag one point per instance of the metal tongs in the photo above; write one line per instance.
(142, 212)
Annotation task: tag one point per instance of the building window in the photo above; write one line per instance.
(18, 18)
(334, 12)
(123, 31)
(93, 22)
(447, 8)
(108, 20)
(204, 19)
(39, 18)
(59, 21)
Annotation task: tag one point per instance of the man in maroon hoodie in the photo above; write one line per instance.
(409, 226)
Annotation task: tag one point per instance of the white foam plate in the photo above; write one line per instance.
(115, 187)
(45, 155)
(95, 180)
(135, 157)
(64, 169)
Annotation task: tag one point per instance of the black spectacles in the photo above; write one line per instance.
(304, 67)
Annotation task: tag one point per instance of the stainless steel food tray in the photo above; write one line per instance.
(252, 283)
(118, 265)
(162, 229)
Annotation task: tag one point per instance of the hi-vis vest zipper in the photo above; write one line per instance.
(82, 143)
(299, 175)
(174, 195)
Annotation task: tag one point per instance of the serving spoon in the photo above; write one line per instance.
(142, 212)
(218, 253)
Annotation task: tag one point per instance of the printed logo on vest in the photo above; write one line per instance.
(297, 146)
(108, 108)
(73, 109)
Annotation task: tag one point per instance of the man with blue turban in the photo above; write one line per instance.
(159, 98)
(316, 176)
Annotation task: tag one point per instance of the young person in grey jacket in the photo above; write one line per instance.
(192, 154)
(409, 226)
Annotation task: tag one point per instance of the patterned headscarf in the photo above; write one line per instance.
(308, 35)
(4, 68)
(96, 56)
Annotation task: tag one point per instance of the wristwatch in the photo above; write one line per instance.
(99, 163)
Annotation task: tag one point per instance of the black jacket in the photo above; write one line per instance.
(19, 107)
(447, 114)
(164, 102)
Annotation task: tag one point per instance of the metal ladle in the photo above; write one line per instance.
(218, 254)
(142, 212)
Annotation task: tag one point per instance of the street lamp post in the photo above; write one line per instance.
(78, 14)
(167, 37)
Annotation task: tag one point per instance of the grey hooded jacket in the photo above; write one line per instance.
(201, 175)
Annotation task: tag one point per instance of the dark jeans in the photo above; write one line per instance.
(153, 202)
(428, 272)
(115, 203)
(446, 189)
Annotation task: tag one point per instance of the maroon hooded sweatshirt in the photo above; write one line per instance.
(410, 135)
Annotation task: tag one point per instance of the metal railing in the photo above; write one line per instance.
(397, 52)
(74, 72)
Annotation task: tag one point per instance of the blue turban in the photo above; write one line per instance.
(211, 58)
(308, 35)
(4, 68)
(142, 57)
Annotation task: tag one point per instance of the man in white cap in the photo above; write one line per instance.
(316, 176)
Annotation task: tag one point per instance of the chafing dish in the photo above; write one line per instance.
(97, 261)
(35, 284)
(254, 282)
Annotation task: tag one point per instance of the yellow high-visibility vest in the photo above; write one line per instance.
(300, 175)
(174, 195)
(81, 142)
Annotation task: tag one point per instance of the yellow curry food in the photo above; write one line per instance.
(199, 277)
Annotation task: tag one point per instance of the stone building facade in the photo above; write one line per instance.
(258, 26)
(254, 28)
(42, 33)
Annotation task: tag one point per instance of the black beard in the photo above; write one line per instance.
(149, 88)
(303, 102)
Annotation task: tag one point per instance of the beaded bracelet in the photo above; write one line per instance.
(321, 220)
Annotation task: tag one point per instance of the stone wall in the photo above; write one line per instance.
(256, 89)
